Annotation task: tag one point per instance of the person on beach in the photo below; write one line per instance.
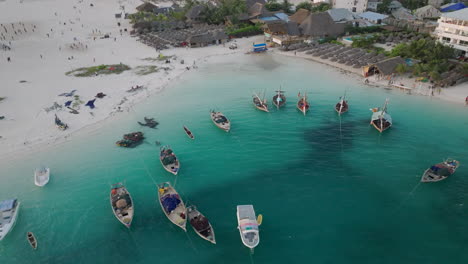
(466, 101)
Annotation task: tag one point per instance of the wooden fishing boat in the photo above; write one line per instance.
(9, 210)
(172, 205)
(200, 224)
(279, 99)
(440, 171)
(381, 120)
(302, 104)
(220, 120)
(260, 104)
(121, 204)
(342, 106)
(169, 160)
(131, 140)
(32, 240)
(189, 133)
(248, 226)
(41, 176)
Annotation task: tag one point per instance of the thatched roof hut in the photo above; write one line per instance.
(299, 16)
(293, 28)
(146, 7)
(276, 27)
(258, 10)
(384, 67)
(321, 25)
(427, 12)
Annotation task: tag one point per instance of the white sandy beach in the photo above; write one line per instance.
(42, 60)
(41, 54)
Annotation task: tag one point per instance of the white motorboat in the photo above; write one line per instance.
(41, 176)
(8, 214)
(248, 225)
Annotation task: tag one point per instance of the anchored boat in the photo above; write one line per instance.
(440, 171)
(172, 205)
(189, 133)
(279, 99)
(41, 176)
(381, 120)
(302, 104)
(248, 225)
(342, 106)
(260, 104)
(32, 240)
(220, 120)
(201, 224)
(8, 214)
(122, 204)
(169, 160)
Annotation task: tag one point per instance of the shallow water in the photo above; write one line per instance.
(327, 195)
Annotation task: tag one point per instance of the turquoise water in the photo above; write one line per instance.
(327, 195)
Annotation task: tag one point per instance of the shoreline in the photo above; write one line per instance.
(42, 51)
(453, 94)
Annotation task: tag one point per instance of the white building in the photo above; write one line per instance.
(355, 6)
(453, 30)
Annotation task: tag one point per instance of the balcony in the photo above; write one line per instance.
(441, 33)
(452, 25)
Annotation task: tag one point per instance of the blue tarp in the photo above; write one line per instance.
(68, 103)
(7, 204)
(454, 7)
(90, 103)
(170, 202)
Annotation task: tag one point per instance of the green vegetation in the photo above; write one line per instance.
(383, 7)
(413, 4)
(96, 70)
(286, 6)
(321, 8)
(307, 5)
(273, 5)
(336, 42)
(361, 30)
(326, 40)
(433, 57)
(464, 69)
(146, 69)
(365, 42)
(77, 101)
(244, 30)
(217, 14)
(304, 5)
(146, 17)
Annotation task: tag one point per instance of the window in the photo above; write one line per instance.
(446, 39)
(463, 43)
(354, 9)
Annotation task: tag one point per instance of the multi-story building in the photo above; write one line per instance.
(453, 30)
(355, 6)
